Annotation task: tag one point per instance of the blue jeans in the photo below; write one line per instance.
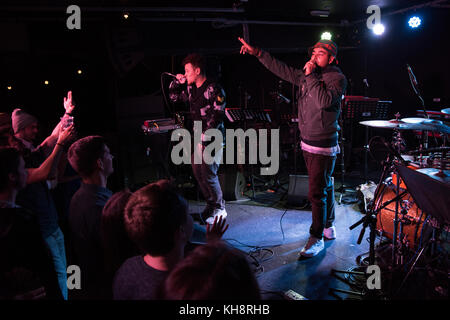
(55, 243)
(207, 179)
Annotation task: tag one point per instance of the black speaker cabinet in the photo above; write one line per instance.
(298, 189)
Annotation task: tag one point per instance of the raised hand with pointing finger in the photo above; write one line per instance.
(68, 106)
(246, 48)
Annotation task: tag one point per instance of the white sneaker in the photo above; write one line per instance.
(312, 247)
(330, 233)
(217, 213)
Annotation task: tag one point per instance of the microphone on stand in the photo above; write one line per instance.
(411, 75)
(284, 98)
(394, 152)
(366, 82)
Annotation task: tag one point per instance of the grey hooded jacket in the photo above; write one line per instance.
(319, 100)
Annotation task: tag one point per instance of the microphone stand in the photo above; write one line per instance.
(414, 85)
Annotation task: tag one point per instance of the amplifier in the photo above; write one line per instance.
(298, 189)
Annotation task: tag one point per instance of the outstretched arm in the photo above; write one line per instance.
(45, 169)
(49, 143)
(275, 66)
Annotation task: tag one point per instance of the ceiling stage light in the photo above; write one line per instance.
(378, 29)
(414, 22)
(326, 36)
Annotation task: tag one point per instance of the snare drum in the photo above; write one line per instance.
(414, 219)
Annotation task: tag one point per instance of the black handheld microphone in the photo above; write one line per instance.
(170, 74)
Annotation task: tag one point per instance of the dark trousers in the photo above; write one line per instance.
(208, 181)
(321, 191)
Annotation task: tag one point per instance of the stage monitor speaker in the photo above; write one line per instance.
(232, 182)
(298, 190)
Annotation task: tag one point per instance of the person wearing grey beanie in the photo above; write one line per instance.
(22, 121)
(37, 196)
(25, 127)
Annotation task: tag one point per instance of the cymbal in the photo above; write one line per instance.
(443, 128)
(440, 175)
(446, 111)
(429, 150)
(433, 124)
(422, 121)
(396, 124)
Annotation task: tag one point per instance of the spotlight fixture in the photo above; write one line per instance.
(326, 36)
(79, 71)
(126, 15)
(414, 22)
(9, 87)
(46, 82)
(378, 29)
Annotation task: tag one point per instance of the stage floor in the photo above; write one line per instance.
(272, 235)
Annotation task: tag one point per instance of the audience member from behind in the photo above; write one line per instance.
(26, 266)
(117, 246)
(212, 272)
(92, 160)
(157, 220)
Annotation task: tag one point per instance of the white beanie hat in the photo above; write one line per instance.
(21, 120)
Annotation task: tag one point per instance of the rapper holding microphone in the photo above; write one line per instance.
(206, 100)
(321, 84)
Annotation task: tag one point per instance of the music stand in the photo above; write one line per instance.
(359, 108)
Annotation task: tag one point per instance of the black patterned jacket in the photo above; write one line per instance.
(207, 103)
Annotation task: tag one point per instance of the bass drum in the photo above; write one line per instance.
(413, 220)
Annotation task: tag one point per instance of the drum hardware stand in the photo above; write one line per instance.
(369, 220)
(401, 236)
(397, 142)
(415, 86)
(432, 242)
(441, 173)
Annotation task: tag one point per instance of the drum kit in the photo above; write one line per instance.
(410, 206)
(401, 207)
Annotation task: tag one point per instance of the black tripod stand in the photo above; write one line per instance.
(350, 197)
(369, 220)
